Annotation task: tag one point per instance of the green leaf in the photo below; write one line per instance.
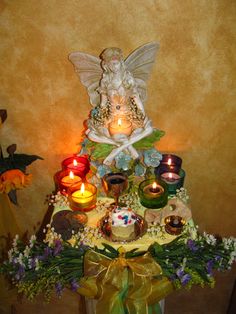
(155, 249)
(101, 151)
(148, 142)
(110, 249)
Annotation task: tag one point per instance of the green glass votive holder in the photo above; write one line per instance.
(174, 181)
(153, 193)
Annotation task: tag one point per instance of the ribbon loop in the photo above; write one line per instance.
(120, 285)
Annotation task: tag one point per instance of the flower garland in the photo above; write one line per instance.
(52, 265)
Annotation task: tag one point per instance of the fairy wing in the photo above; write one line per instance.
(89, 70)
(140, 63)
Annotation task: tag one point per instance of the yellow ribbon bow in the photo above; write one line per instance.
(121, 285)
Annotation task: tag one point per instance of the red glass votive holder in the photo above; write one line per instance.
(82, 197)
(79, 164)
(64, 179)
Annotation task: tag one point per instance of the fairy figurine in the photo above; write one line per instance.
(117, 91)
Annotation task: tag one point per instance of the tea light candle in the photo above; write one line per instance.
(153, 189)
(153, 194)
(64, 179)
(75, 165)
(82, 197)
(78, 164)
(174, 224)
(170, 177)
(70, 179)
(120, 126)
(169, 163)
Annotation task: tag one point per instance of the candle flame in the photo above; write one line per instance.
(170, 175)
(154, 185)
(119, 122)
(169, 161)
(71, 175)
(75, 162)
(82, 188)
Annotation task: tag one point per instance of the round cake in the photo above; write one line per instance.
(122, 222)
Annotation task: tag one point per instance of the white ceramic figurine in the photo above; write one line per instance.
(117, 91)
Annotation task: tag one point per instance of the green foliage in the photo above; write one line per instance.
(101, 151)
(149, 141)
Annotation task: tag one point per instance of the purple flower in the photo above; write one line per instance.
(20, 273)
(185, 279)
(47, 252)
(209, 267)
(33, 263)
(57, 247)
(180, 272)
(58, 288)
(192, 245)
(74, 285)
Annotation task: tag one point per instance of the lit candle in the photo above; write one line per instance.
(169, 161)
(170, 177)
(120, 126)
(153, 194)
(70, 179)
(75, 165)
(153, 189)
(83, 197)
(78, 164)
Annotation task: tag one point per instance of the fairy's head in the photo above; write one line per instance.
(112, 59)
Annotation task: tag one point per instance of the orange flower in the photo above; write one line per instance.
(14, 179)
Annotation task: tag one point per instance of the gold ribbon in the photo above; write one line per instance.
(122, 285)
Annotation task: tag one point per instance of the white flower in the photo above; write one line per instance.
(32, 240)
(20, 259)
(210, 239)
(15, 240)
(10, 255)
(26, 251)
(37, 266)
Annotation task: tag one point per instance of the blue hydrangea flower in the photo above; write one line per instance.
(94, 112)
(102, 170)
(139, 170)
(122, 161)
(152, 157)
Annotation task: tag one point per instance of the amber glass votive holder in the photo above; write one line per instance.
(174, 224)
(63, 180)
(153, 196)
(82, 198)
(79, 164)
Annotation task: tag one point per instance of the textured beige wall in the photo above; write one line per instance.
(191, 90)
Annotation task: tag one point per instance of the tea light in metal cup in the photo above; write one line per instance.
(153, 194)
(174, 224)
